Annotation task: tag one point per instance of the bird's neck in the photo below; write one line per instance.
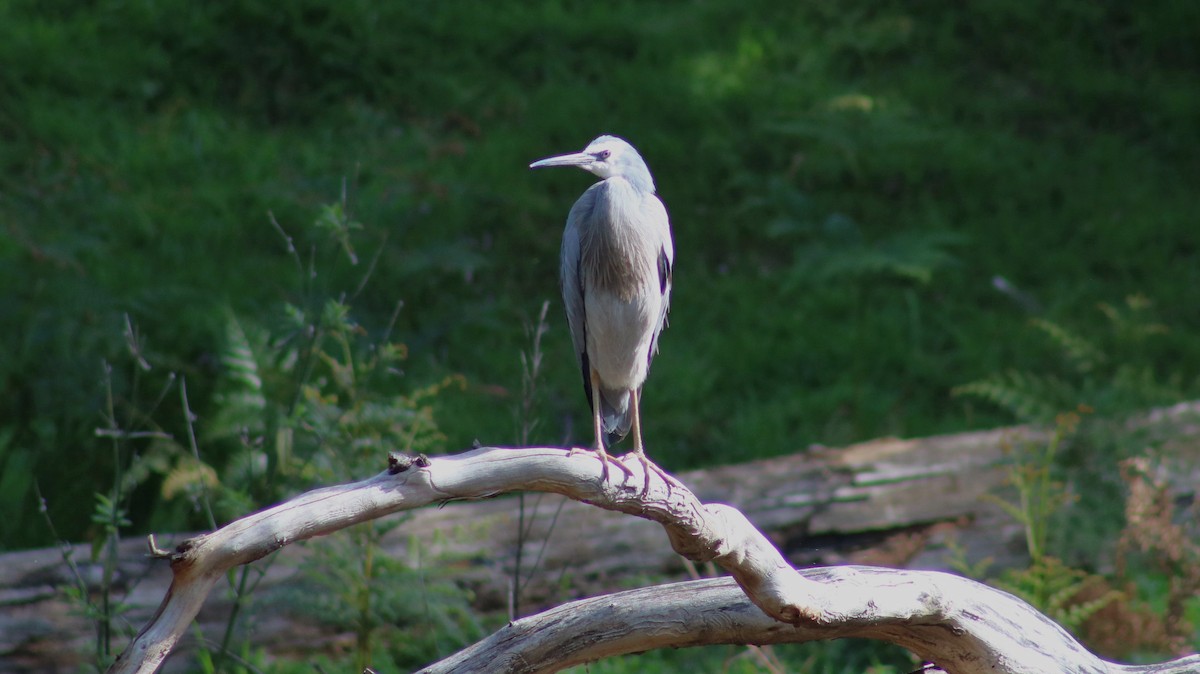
(616, 244)
(639, 177)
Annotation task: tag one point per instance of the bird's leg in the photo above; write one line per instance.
(597, 420)
(598, 428)
(647, 464)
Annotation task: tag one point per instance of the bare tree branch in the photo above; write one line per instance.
(963, 626)
(936, 614)
(703, 533)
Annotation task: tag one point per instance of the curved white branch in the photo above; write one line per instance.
(927, 616)
(962, 626)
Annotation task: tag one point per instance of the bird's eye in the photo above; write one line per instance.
(603, 154)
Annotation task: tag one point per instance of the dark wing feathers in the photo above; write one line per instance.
(664, 271)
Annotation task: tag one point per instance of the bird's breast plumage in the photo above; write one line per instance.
(622, 236)
(620, 244)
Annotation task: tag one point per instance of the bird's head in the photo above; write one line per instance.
(606, 157)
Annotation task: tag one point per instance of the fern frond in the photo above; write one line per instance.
(1076, 615)
(1013, 510)
(914, 256)
(241, 398)
(189, 476)
(238, 357)
(1082, 353)
(1140, 386)
(1060, 584)
(1135, 321)
(1054, 588)
(1028, 396)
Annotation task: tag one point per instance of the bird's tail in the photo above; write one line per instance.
(615, 413)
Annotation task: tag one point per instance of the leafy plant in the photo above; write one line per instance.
(1068, 595)
(1102, 372)
(1039, 496)
(135, 168)
(1065, 594)
(317, 399)
(1159, 555)
(323, 400)
(128, 427)
(527, 421)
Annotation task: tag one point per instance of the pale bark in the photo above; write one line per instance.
(887, 502)
(703, 533)
(962, 626)
(891, 502)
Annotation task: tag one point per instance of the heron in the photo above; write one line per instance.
(615, 277)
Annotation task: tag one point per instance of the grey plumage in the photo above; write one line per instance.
(616, 264)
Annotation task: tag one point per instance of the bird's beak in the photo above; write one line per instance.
(574, 159)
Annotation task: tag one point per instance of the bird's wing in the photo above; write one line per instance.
(666, 262)
(571, 281)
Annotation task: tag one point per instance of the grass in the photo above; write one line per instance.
(844, 185)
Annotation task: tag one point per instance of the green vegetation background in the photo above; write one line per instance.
(848, 184)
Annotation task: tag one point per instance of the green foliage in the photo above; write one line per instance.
(96, 596)
(1056, 589)
(845, 184)
(1027, 395)
(323, 400)
(403, 612)
(1158, 552)
(1070, 596)
(1103, 372)
(1039, 496)
(337, 224)
(910, 256)
(312, 400)
(16, 489)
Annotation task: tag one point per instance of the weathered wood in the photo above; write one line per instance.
(962, 626)
(701, 532)
(887, 502)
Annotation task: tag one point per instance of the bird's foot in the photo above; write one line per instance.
(648, 467)
(605, 460)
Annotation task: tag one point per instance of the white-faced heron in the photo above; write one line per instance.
(616, 285)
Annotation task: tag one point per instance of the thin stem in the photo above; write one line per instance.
(514, 602)
(531, 365)
(68, 555)
(239, 598)
(189, 419)
(291, 245)
(104, 627)
(537, 562)
(362, 284)
(366, 624)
